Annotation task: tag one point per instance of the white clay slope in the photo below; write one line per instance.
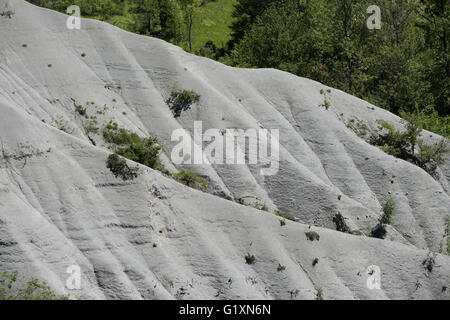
(60, 205)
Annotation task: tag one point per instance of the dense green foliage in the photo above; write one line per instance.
(402, 66)
(187, 23)
(31, 290)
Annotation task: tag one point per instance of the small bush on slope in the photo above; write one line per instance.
(191, 180)
(144, 151)
(32, 290)
(119, 167)
(129, 145)
(388, 212)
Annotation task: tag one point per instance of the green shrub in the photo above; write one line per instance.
(281, 268)
(31, 290)
(129, 145)
(119, 167)
(388, 212)
(341, 225)
(282, 222)
(250, 259)
(181, 100)
(315, 261)
(81, 110)
(319, 294)
(284, 215)
(408, 146)
(447, 234)
(430, 261)
(312, 235)
(90, 126)
(191, 180)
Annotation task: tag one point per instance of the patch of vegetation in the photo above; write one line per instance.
(315, 261)
(282, 222)
(319, 294)
(356, 232)
(81, 110)
(62, 124)
(181, 100)
(431, 121)
(284, 215)
(326, 102)
(447, 234)
(129, 145)
(388, 212)
(31, 290)
(408, 146)
(212, 24)
(430, 262)
(120, 168)
(281, 268)
(191, 180)
(312, 235)
(341, 225)
(357, 126)
(386, 218)
(250, 259)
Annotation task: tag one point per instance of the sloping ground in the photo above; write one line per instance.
(155, 238)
